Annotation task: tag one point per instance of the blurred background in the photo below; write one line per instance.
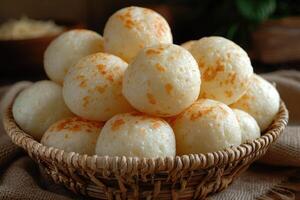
(269, 30)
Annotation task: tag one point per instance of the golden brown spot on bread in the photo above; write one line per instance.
(204, 95)
(160, 68)
(66, 136)
(100, 88)
(245, 101)
(108, 74)
(110, 77)
(86, 100)
(59, 126)
(228, 93)
(80, 77)
(201, 63)
(211, 72)
(129, 23)
(155, 125)
(141, 45)
(246, 105)
(83, 84)
(151, 98)
(171, 58)
(101, 68)
(127, 19)
(231, 78)
(228, 54)
(247, 98)
(124, 16)
(75, 124)
(117, 124)
(168, 88)
(159, 27)
(151, 52)
(200, 113)
(76, 127)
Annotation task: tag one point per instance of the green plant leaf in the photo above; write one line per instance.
(232, 31)
(256, 10)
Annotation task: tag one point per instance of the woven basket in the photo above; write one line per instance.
(193, 176)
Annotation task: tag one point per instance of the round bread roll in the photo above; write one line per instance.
(136, 135)
(39, 106)
(249, 127)
(261, 101)
(206, 126)
(131, 29)
(73, 135)
(163, 80)
(188, 45)
(64, 51)
(93, 87)
(226, 69)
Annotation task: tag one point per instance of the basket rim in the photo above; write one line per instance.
(124, 164)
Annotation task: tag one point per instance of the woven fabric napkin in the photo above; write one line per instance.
(275, 176)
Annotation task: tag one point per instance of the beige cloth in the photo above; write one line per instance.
(20, 177)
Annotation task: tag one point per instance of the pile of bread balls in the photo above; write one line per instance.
(134, 93)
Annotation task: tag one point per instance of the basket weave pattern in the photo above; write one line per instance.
(193, 176)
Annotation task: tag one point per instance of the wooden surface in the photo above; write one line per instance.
(277, 41)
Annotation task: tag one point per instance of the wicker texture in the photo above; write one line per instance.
(193, 176)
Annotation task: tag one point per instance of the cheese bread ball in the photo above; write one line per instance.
(188, 45)
(131, 29)
(93, 87)
(261, 100)
(136, 135)
(39, 106)
(73, 135)
(249, 127)
(64, 51)
(206, 126)
(163, 80)
(226, 69)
